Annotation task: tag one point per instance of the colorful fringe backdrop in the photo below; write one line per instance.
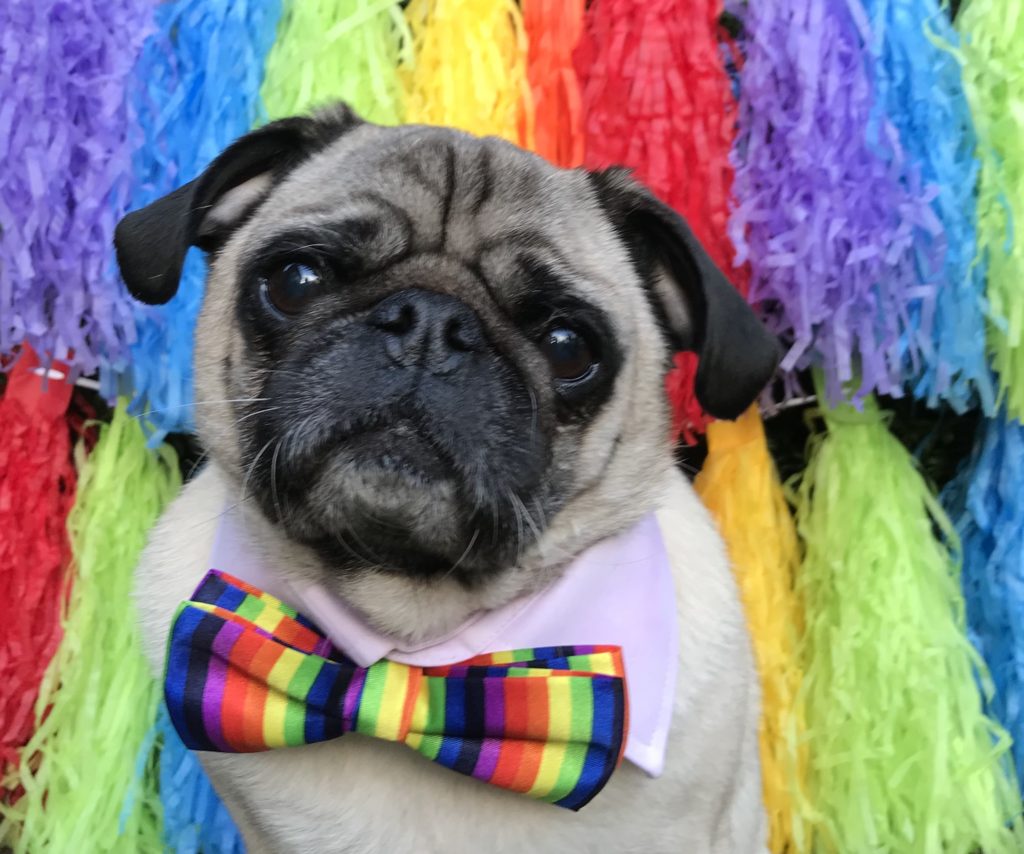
(993, 76)
(657, 98)
(986, 502)
(740, 486)
(196, 88)
(37, 487)
(854, 166)
(902, 757)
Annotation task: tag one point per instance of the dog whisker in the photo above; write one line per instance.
(370, 557)
(201, 403)
(534, 413)
(465, 554)
(257, 412)
(273, 480)
(222, 513)
(339, 538)
(201, 459)
(519, 523)
(251, 469)
(295, 432)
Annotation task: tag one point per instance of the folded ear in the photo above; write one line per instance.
(151, 243)
(698, 307)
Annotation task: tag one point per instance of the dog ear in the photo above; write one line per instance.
(151, 243)
(698, 307)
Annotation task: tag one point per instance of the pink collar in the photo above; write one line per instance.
(619, 592)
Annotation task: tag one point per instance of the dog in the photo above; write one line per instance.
(429, 374)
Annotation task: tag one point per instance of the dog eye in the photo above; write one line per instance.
(568, 353)
(291, 287)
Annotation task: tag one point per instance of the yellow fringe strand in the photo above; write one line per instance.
(469, 68)
(740, 486)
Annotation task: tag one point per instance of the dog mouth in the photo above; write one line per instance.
(399, 450)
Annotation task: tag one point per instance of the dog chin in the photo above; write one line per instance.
(389, 511)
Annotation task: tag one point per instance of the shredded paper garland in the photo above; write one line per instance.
(920, 92)
(553, 29)
(992, 53)
(90, 735)
(328, 50)
(37, 488)
(195, 821)
(468, 67)
(196, 89)
(66, 139)
(986, 502)
(902, 756)
(837, 226)
(739, 485)
(657, 98)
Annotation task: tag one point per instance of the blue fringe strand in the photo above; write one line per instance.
(198, 81)
(195, 820)
(919, 89)
(986, 501)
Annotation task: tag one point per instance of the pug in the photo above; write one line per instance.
(430, 377)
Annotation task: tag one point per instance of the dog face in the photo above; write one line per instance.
(437, 357)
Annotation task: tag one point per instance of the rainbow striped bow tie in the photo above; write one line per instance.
(247, 673)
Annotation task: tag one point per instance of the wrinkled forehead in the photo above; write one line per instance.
(389, 193)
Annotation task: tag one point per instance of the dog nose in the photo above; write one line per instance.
(431, 330)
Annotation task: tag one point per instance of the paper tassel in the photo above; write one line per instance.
(329, 50)
(90, 738)
(656, 98)
(37, 486)
(986, 501)
(902, 757)
(66, 139)
(837, 230)
(553, 29)
(740, 486)
(195, 821)
(921, 93)
(196, 89)
(468, 67)
(992, 52)
(688, 418)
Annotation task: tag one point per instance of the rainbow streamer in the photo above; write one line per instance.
(986, 501)
(553, 29)
(657, 99)
(835, 227)
(66, 137)
(992, 52)
(37, 489)
(902, 756)
(329, 50)
(920, 92)
(194, 819)
(196, 90)
(91, 734)
(468, 68)
(740, 486)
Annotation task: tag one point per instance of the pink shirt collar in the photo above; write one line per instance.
(619, 592)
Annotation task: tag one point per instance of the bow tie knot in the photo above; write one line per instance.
(247, 673)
